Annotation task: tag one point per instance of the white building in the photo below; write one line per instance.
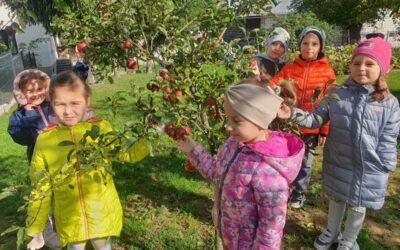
(385, 26)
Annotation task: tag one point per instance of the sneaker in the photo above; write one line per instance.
(325, 240)
(297, 199)
(345, 245)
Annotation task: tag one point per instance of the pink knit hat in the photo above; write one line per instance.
(376, 48)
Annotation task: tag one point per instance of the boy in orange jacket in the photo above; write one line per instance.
(310, 70)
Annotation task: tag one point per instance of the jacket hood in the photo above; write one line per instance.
(267, 57)
(18, 95)
(282, 151)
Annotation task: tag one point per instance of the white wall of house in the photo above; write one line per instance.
(46, 52)
(386, 26)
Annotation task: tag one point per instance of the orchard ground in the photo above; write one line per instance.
(168, 208)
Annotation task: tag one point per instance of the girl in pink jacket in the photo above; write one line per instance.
(252, 171)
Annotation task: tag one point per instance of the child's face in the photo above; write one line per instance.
(365, 70)
(276, 50)
(310, 47)
(34, 92)
(70, 105)
(242, 129)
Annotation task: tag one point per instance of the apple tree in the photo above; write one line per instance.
(185, 38)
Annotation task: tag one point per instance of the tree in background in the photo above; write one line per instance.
(295, 22)
(349, 15)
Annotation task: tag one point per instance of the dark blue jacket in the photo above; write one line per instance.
(24, 125)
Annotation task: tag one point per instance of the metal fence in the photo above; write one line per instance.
(10, 66)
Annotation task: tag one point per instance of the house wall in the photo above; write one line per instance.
(46, 52)
(387, 27)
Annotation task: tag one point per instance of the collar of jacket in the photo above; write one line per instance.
(364, 88)
(320, 60)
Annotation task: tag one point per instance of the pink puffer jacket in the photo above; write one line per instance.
(251, 188)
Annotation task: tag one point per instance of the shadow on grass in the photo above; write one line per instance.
(163, 181)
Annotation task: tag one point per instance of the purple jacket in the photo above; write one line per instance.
(251, 188)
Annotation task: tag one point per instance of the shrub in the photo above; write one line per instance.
(396, 58)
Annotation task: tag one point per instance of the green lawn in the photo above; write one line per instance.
(168, 208)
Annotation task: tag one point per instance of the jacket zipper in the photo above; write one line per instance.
(78, 179)
(221, 185)
(305, 84)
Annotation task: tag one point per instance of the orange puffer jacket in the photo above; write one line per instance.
(308, 76)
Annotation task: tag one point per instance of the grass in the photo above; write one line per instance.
(168, 208)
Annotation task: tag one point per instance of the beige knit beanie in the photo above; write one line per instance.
(257, 104)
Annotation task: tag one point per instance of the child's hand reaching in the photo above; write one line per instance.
(29, 106)
(285, 112)
(186, 144)
(37, 241)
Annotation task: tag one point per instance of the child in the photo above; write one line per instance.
(252, 170)
(85, 204)
(276, 45)
(30, 91)
(360, 149)
(309, 71)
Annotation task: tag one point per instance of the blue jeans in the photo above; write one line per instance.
(303, 178)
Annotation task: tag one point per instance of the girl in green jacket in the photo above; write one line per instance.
(78, 187)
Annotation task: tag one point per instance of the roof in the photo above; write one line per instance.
(281, 9)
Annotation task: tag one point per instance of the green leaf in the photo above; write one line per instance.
(10, 229)
(111, 80)
(66, 143)
(334, 96)
(61, 6)
(31, 14)
(20, 237)
(128, 144)
(5, 194)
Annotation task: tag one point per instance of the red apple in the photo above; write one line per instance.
(180, 133)
(253, 64)
(169, 129)
(81, 46)
(202, 38)
(189, 167)
(128, 44)
(131, 63)
(210, 101)
(152, 87)
(163, 73)
(100, 6)
(178, 92)
(187, 130)
(167, 90)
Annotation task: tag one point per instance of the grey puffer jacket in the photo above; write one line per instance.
(360, 148)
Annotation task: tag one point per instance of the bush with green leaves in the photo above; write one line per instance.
(396, 58)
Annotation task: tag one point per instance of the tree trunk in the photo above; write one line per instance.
(90, 79)
(116, 69)
(354, 32)
(149, 66)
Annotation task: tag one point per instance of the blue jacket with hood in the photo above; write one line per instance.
(360, 148)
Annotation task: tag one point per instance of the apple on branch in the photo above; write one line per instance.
(131, 63)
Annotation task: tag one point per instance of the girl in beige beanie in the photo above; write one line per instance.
(252, 171)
